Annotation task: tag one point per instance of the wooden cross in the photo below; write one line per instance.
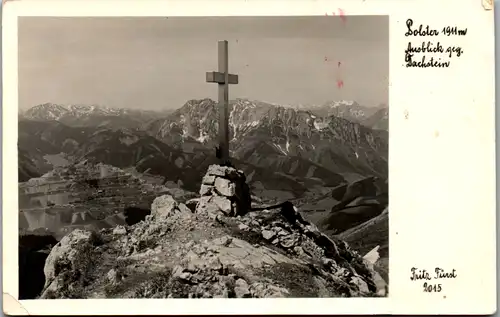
(224, 79)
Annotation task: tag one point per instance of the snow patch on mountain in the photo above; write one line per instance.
(203, 137)
(129, 140)
(343, 102)
(184, 127)
(320, 125)
(280, 148)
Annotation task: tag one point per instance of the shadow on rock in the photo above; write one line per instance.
(33, 251)
(134, 215)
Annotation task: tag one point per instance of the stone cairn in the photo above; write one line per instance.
(224, 191)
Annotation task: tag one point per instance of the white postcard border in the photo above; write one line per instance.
(442, 160)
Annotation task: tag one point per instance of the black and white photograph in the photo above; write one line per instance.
(203, 157)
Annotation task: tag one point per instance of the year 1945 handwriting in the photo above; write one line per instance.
(438, 274)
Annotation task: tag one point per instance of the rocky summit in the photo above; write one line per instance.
(221, 248)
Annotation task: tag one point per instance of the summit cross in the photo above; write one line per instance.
(223, 79)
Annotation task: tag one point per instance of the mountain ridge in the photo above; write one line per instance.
(288, 131)
(294, 143)
(81, 115)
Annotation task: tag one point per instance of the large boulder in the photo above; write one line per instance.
(68, 265)
(166, 206)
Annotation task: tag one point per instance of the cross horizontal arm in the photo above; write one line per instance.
(217, 77)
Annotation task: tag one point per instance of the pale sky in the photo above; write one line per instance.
(159, 63)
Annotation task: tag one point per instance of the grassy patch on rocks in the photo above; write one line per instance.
(301, 285)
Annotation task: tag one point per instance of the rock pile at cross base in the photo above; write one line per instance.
(221, 249)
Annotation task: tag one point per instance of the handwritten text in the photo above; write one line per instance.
(437, 274)
(425, 48)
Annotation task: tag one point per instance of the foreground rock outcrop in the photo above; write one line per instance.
(222, 249)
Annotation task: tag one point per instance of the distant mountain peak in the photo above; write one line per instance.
(46, 111)
(53, 111)
(80, 115)
(340, 103)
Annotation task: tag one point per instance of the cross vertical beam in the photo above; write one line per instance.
(224, 102)
(223, 79)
